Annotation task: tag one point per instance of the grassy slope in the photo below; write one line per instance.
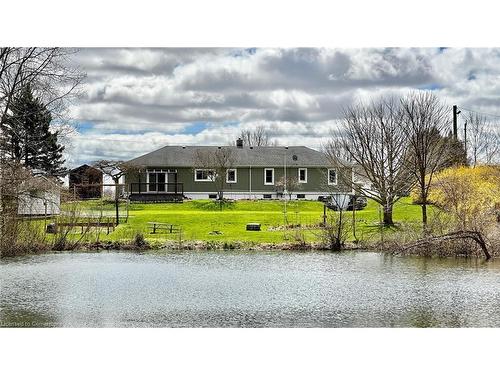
(199, 218)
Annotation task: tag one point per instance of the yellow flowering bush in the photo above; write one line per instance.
(468, 195)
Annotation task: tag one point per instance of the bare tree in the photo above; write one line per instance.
(483, 139)
(492, 149)
(477, 136)
(372, 139)
(425, 122)
(290, 184)
(115, 169)
(14, 176)
(216, 163)
(48, 72)
(336, 228)
(259, 136)
(22, 194)
(335, 147)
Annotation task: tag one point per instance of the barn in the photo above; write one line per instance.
(85, 182)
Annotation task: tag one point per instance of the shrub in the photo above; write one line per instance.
(468, 195)
(139, 240)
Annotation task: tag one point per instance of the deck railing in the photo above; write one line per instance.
(156, 188)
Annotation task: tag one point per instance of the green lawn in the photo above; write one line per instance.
(200, 219)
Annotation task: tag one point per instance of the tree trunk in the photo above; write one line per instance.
(463, 234)
(387, 220)
(220, 196)
(423, 200)
(424, 214)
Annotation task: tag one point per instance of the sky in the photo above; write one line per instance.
(134, 101)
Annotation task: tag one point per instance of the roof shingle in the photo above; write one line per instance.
(269, 156)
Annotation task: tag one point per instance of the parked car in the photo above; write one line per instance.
(361, 202)
(355, 202)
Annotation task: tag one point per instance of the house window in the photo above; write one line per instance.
(203, 175)
(303, 175)
(231, 176)
(268, 176)
(156, 181)
(332, 177)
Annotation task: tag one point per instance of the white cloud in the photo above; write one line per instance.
(139, 99)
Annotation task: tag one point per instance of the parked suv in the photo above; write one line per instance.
(355, 202)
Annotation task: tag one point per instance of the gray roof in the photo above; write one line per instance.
(84, 166)
(269, 156)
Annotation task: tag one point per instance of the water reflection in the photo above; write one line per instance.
(246, 289)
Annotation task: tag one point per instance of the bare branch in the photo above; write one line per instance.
(372, 139)
(217, 162)
(257, 137)
(426, 122)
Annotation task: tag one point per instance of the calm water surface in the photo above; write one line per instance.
(245, 289)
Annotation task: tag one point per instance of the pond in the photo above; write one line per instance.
(247, 289)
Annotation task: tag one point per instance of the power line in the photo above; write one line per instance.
(479, 113)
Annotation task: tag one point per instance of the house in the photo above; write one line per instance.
(85, 182)
(173, 172)
(39, 196)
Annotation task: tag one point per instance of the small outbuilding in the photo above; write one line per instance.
(39, 196)
(85, 182)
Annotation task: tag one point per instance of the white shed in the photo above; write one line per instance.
(40, 197)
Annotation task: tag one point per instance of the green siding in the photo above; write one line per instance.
(316, 180)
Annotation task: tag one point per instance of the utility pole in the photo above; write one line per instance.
(465, 138)
(455, 127)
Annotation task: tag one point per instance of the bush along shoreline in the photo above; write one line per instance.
(462, 248)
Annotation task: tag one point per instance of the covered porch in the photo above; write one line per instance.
(161, 185)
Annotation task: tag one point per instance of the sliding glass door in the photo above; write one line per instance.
(157, 181)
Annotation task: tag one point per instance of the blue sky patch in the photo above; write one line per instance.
(196, 128)
(431, 86)
(230, 123)
(243, 52)
(84, 126)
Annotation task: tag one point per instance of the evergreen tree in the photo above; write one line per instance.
(457, 155)
(27, 138)
(52, 162)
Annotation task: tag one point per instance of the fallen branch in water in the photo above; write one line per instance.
(459, 235)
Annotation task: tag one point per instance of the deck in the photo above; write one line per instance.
(155, 192)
